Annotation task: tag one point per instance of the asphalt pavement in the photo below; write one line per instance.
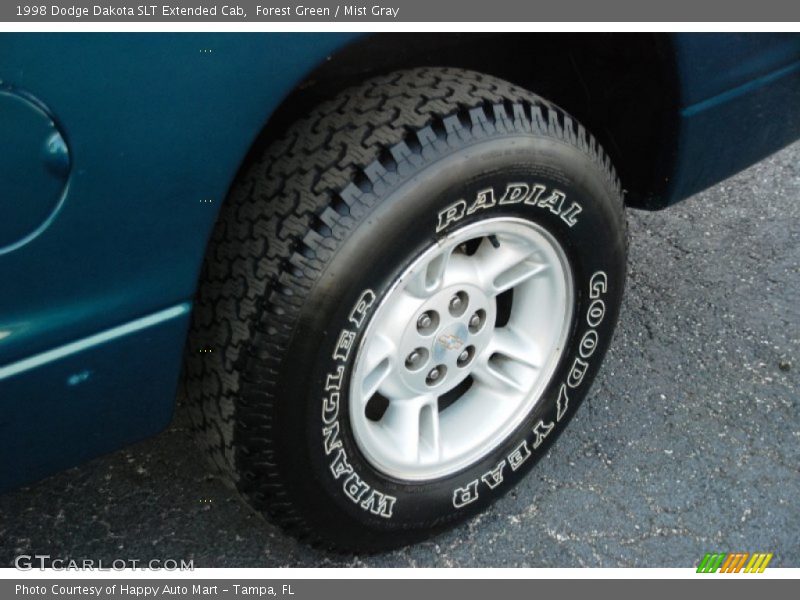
(689, 441)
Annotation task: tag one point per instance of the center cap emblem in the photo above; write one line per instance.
(448, 341)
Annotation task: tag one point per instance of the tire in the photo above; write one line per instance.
(310, 246)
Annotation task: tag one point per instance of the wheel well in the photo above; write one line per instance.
(622, 86)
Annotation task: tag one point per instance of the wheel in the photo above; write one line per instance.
(405, 300)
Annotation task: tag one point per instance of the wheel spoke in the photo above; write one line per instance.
(515, 275)
(378, 366)
(413, 425)
(507, 265)
(493, 374)
(517, 347)
(430, 276)
(430, 449)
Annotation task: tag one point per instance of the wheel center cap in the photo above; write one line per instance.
(440, 340)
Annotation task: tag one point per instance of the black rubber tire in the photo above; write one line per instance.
(341, 204)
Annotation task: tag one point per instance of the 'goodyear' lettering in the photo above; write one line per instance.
(598, 286)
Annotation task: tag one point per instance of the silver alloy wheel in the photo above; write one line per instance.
(438, 381)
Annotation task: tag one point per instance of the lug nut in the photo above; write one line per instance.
(458, 304)
(435, 374)
(427, 322)
(476, 321)
(466, 356)
(416, 359)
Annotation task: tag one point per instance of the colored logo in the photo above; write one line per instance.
(449, 341)
(734, 562)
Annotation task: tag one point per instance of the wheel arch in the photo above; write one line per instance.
(623, 86)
